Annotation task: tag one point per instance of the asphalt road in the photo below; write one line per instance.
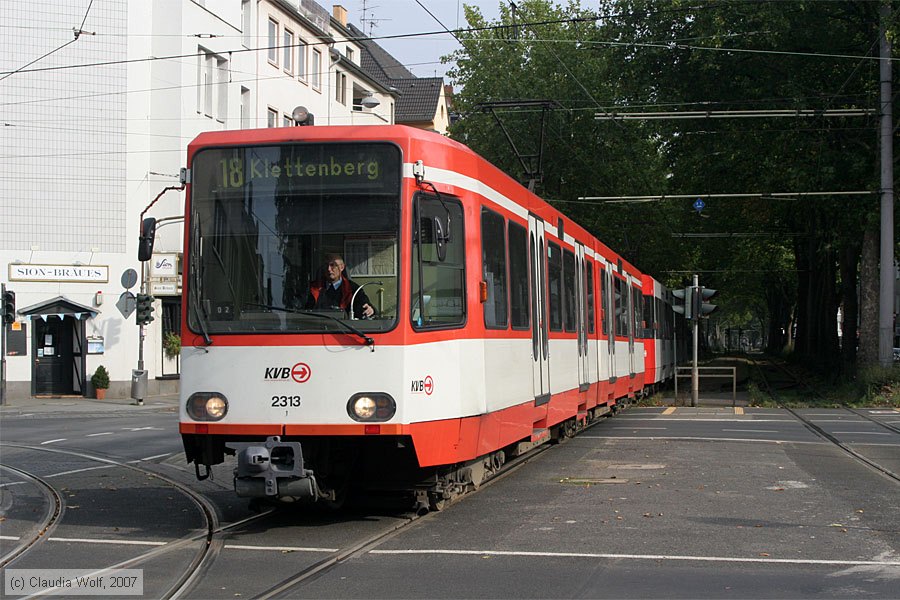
(674, 503)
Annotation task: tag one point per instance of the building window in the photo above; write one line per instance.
(287, 121)
(348, 52)
(221, 89)
(301, 59)
(272, 120)
(273, 42)
(316, 66)
(212, 85)
(246, 23)
(246, 109)
(340, 87)
(288, 54)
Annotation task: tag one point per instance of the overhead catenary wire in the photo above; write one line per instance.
(733, 114)
(760, 195)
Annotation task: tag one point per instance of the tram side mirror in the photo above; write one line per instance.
(440, 238)
(147, 238)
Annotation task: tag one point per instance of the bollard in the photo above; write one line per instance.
(139, 385)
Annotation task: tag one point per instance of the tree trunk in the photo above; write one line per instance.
(803, 261)
(850, 302)
(868, 297)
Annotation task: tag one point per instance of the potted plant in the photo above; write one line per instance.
(100, 381)
(172, 344)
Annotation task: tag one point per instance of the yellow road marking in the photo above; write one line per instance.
(738, 410)
(669, 410)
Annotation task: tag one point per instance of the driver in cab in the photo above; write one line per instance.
(335, 290)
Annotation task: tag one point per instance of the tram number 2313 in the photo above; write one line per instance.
(285, 401)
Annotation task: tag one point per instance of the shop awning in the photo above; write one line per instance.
(57, 307)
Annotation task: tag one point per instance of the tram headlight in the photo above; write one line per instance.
(207, 406)
(368, 406)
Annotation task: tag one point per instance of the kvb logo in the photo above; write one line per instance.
(300, 373)
(422, 386)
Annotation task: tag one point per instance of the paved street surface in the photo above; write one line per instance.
(674, 502)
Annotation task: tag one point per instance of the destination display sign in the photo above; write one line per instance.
(300, 168)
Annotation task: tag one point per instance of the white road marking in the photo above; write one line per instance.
(150, 458)
(752, 430)
(150, 543)
(119, 542)
(97, 434)
(684, 438)
(726, 559)
(280, 548)
(692, 419)
(642, 428)
(79, 471)
(53, 441)
(861, 433)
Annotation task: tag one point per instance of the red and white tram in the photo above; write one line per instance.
(500, 323)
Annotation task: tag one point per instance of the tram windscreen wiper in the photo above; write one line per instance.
(347, 326)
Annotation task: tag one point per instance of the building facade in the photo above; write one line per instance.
(96, 134)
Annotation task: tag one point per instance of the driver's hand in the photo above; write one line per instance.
(368, 311)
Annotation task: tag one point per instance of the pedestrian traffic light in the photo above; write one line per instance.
(701, 307)
(144, 309)
(9, 306)
(683, 302)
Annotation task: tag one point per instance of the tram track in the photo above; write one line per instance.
(40, 531)
(414, 518)
(817, 430)
(210, 544)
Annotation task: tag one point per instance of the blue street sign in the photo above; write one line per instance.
(699, 204)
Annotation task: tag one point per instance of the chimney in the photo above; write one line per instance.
(339, 13)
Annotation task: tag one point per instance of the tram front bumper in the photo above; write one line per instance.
(273, 469)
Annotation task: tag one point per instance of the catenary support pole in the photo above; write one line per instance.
(695, 372)
(886, 275)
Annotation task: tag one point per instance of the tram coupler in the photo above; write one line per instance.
(273, 469)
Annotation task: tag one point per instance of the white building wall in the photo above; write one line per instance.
(98, 127)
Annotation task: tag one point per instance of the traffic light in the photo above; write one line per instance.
(144, 309)
(701, 307)
(684, 303)
(9, 306)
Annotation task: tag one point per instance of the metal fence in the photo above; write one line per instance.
(705, 372)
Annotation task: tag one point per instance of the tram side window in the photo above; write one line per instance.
(554, 272)
(589, 287)
(638, 308)
(493, 255)
(569, 289)
(438, 263)
(518, 276)
(604, 307)
(649, 320)
(621, 307)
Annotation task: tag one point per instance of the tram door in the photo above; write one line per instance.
(540, 342)
(581, 317)
(611, 311)
(632, 322)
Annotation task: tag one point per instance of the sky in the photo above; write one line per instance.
(421, 55)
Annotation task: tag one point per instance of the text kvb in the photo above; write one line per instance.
(278, 373)
(420, 386)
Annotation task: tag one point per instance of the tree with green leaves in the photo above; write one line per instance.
(791, 260)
